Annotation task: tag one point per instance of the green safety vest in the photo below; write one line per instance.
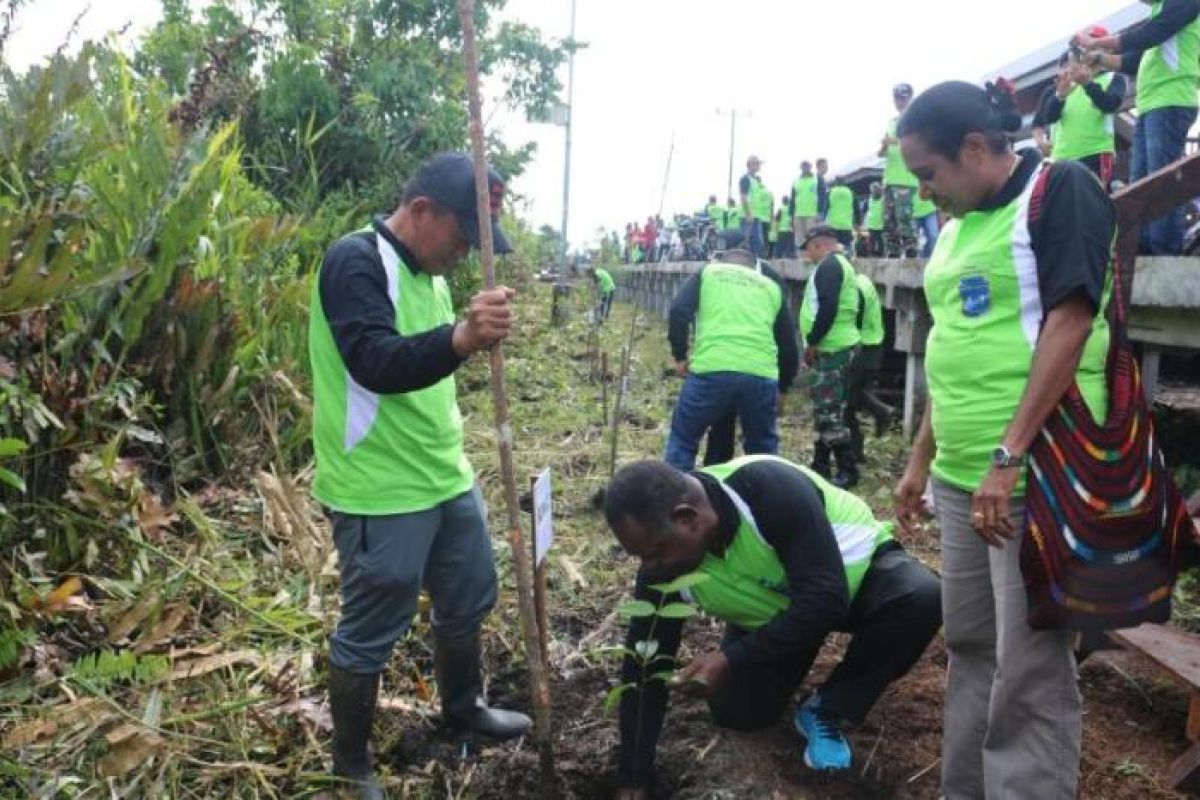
(605, 278)
(872, 312)
(783, 220)
(386, 453)
(747, 584)
(922, 207)
(804, 189)
(895, 171)
(760, 200)
(735, 327)
(716, 215)
(1083, 130)
(733, 218)
(982, 288)
(841, 208)
(875, 214)
(844, 331)
(1170, 73)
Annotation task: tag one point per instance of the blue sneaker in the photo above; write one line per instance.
(827, 748)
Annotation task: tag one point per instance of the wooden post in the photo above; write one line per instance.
(1151, 360)
(539, 583)
(520, 553)
(622, 387)
(604, 385)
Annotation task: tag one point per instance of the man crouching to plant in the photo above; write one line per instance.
(784, 558)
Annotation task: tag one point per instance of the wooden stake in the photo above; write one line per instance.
(604, 385)
(520, 553)
(618, 404)
(539, 583)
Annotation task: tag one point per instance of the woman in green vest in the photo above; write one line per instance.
(1017, 302)
(784, 558)
(1164, 52)
(1082, 112)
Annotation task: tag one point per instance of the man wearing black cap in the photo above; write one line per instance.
(391, 471)
(899, 186)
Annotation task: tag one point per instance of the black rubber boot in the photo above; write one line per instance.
(457, 665)
(352, 703)
(847, 473)
(820, 463)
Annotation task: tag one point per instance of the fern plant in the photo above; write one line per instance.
(106, 667)
(12, 641)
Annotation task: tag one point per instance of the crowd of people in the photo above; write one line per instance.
(1017, 286)
(1074, 120)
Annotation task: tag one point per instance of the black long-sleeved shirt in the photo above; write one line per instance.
(1039, 116)
(362, 317)
(822, 197)
(1154, 31)
(686, 305)
(790, 514)
(1107, 100)
(828, 279)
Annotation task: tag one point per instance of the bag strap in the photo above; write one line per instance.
(1036, 202)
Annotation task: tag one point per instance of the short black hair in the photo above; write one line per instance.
(944, 115)
(647, 491)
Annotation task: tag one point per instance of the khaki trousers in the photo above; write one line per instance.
(1013, 718)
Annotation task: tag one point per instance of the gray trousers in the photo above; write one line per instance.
(1013, 719)
(385, 560)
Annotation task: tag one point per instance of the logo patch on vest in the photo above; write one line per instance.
(976, 295)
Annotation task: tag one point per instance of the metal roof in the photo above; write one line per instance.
(1041, 64)
(1026, 72)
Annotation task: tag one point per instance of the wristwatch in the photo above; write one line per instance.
(1004, 458)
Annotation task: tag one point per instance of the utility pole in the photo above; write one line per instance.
(566, 201)
(732, 113)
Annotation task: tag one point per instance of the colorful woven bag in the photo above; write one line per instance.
(1105, 522)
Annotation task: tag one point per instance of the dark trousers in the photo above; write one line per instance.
(860, 383)
(721, 439)
(756, 236)
(1158, 141)
(785, 245)
(1101, 165)
(893, 618)
(605, 306)
(711, 397)
(384, 562)
(875, 244)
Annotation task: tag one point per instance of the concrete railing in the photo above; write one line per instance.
(1165, 312)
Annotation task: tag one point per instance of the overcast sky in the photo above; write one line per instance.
(809, 79)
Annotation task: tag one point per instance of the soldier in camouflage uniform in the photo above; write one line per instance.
(900, 187)
(829, 322)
